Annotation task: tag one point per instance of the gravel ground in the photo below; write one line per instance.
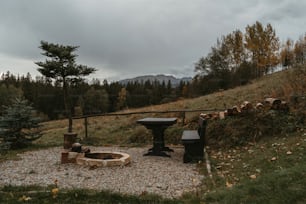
(168, 177)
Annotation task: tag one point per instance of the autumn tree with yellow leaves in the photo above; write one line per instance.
(262, 46)
(239, 57)
(300, 50)
(287, 53)
(293, 52)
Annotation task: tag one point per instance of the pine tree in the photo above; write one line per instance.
(18, 127)
(61, 66)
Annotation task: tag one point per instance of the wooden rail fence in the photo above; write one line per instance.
(183, 115)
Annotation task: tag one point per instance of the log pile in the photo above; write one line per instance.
(247, 107)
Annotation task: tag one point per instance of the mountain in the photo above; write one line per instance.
(160, 78)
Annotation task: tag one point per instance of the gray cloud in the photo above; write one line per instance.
(125, 38)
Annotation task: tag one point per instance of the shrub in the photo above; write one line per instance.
(240, 130)
(18, 127)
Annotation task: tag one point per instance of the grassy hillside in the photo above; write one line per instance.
(257, 158)
(122, 130)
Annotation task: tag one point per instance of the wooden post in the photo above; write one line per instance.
(183, 117)
(69, 139)
(86, 124)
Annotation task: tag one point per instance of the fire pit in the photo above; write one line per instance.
(103, 159)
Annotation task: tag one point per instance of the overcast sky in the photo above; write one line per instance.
(128, 38)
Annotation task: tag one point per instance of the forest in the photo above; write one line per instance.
(235, 59)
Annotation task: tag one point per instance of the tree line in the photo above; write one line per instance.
(234, 60)
(93, 97)
(239, 57)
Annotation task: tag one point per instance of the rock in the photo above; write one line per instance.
(76, 147)
(228, 184)
(273, 159)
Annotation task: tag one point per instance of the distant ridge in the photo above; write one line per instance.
(160, 78)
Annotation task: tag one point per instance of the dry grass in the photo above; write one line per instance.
(120, 130)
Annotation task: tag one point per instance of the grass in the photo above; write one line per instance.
(271, 171)
(259, 158)
(120, 130)
(37, 194)
(273, 187)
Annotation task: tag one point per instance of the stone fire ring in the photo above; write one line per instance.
(103, 160)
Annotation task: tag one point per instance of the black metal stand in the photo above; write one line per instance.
(159, 147)
(158, 127)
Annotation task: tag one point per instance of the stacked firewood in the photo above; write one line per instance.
(247, 107)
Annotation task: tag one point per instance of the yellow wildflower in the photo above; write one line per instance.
(25, 198)
(54, 192)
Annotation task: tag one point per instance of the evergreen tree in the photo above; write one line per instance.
(8, 92)
(95, 101)
(62, 67)
(18, 127)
